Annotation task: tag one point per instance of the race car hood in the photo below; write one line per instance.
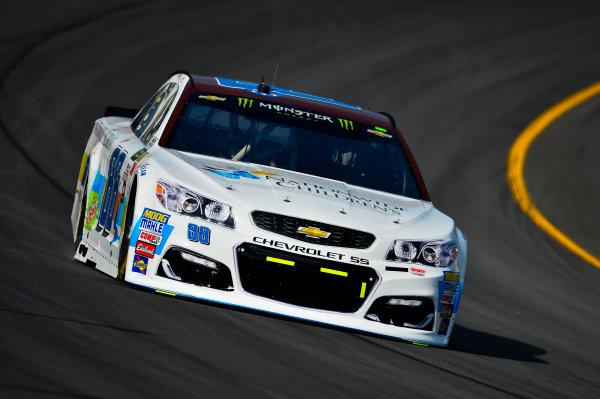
(258, 187)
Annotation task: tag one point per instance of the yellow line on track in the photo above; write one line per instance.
(516, 162)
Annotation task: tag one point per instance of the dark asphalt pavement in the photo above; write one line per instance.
(462, 79)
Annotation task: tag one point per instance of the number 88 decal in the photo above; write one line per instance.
(200, 234)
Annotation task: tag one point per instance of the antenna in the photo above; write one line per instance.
(262, 87)
(275, 76)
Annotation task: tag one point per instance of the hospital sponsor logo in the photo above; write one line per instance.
(143, 248)
(150, 238)
(418, 271)
(304, 187)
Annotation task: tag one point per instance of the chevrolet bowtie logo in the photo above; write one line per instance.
(314, 232)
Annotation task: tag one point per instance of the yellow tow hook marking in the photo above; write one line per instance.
(282, 261)
(336, 272)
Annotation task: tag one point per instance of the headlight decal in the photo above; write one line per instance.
(180, 199)
(428, 253)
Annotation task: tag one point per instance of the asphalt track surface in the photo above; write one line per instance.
(463, 79)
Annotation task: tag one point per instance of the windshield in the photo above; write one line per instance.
(270, 134)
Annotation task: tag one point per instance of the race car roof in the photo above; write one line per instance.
(289, 97)
(214, 85)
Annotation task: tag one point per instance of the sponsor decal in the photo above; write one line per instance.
(451, 276)
(143, 170)
(296, 113)
(449, 294)
(278, 91)
(346, 124)
(448, 298)
(417, 270)
(199, 234)
(145, 249)
(444, 324)
(93, 208)
(245, 102)
(83, 167)
(310, 251)
(260, 172)
(334, 194)
(231, 174)
(97, 186)
(304, 187)
(450, 286)
(152, 225)
(212, 98)
(446, 311)
(378, 131)
(106, 136)
(139, 155)
(150, 238)
(314, 232)
(110, 197)
(153, 221)
(140, 264)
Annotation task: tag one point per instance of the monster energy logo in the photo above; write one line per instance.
(242, 102)
(346, 124)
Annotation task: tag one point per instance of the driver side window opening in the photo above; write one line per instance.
(152, 115)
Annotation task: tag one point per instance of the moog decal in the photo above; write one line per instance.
(152, 226)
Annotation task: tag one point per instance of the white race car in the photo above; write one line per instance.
(269, 199)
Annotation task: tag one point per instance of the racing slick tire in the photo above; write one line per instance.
(80, 222)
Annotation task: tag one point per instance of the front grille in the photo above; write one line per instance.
(304, 281)
(288, 226)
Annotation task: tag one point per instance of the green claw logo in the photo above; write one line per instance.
(242, 102)
(346, 124)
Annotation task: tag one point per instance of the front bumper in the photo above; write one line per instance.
(328, 285)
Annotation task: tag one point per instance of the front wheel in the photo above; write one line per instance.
(81, 221)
